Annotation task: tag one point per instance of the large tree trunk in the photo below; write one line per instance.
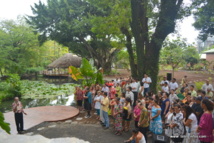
(148, 52)
(138, 26)
(129, 47)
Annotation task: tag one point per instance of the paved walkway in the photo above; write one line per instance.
(41, 114)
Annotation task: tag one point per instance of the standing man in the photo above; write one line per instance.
(105, 89)
(18, 110)
(206, 86)
(87, 102)
(105, 108)
(173, 85)
(146, 83)
(163, 81)
(143, 122)
(134, 86)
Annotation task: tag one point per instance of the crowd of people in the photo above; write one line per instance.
(176, 111)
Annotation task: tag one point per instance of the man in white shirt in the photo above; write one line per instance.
(105, 89)
(130, 94)
(165, 88)
(146, 83)
(172, 97)
(173, 85)
(206, 86)
(163, 81)
(134, 86)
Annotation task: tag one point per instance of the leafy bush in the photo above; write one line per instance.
(11, 87)
(5, 126)
(87, 72)
(199, 84)
(14, 85)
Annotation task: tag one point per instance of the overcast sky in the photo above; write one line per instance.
(10, 9)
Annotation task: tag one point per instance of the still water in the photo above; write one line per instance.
(6, 106)
(67, 100)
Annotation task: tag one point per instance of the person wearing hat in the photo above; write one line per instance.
(197, 108)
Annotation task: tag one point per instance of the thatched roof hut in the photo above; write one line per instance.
(66, 61)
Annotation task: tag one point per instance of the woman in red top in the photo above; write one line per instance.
(112, 92)
(79, 97)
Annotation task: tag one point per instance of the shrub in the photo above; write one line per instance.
(199, 84)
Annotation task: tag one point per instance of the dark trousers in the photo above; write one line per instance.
(144, 131)
(136, 124)
(145, 91)
(19, 121)
(135, 98)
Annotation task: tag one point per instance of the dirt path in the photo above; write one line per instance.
(192, 76)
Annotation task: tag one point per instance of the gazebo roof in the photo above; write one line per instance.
(66, 61)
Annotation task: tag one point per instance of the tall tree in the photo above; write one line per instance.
(172, 53)
(117, 22)
(161, 16)
(69, 22)
(204, 16)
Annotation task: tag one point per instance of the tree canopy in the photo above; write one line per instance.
(20, 49)
(204, 16)
(73, 23)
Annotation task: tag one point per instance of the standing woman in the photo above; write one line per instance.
(156, 122)
(205, 126)
(79, 97)
(165, 105)
(97, 100)
(136, 112)
(127, 114)
(118, 109)
(112, 92)
(191, 123)
(141, 90)
(118, 90)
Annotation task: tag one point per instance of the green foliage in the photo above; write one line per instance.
(172, 53)
(14, 82)
(122, 59)
(20, 50)
(44, 90)
(88, 71)
(199, 84)
(5, 126)
(203, 12)
(74, 24)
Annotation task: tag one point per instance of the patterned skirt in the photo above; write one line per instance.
(156, 127)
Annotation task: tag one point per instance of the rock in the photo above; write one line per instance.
(29, 134)
(74, 122)
(68, 121)
(78, 119)
(42, 128)
(52, 126)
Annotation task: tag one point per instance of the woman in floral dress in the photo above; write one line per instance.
(156, 122)
(118, 109)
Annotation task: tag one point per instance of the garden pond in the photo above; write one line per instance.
(41, 93)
